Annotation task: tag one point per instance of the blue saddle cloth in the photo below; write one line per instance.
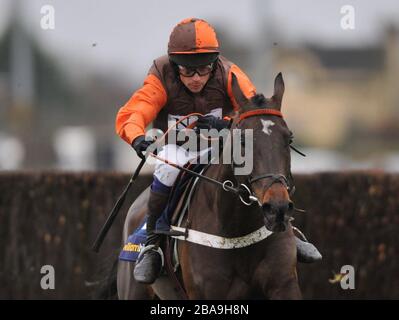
(135, 242)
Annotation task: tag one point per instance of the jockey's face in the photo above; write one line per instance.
(196, 82)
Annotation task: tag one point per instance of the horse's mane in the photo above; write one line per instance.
(258, 101)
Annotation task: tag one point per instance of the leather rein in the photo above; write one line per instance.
(242, 191)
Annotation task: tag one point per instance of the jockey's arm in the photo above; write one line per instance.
(141, 109)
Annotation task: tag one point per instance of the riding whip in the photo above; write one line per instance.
(115, 210)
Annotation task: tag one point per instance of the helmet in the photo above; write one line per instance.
(193, 43)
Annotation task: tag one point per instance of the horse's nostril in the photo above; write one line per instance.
(267, 207)
(290, 206)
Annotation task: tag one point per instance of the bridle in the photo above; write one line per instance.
(245, 190)
(242, 190)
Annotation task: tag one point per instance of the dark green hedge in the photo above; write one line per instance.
(53, 218)
(353, 218)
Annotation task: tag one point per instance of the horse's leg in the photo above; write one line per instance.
(128, 288)
(288, 289)
(277, 273)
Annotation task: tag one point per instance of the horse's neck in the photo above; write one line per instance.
(230, 214)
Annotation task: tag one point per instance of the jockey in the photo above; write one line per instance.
(193, 77)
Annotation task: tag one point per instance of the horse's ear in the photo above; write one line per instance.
(238, 94)
(278, 90)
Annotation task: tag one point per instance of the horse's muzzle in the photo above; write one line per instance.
(277, 215)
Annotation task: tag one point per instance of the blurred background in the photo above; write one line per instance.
(66, 67)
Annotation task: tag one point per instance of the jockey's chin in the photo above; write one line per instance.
(195, 83)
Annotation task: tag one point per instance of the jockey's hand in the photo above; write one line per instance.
(140, 144)
(211, 122)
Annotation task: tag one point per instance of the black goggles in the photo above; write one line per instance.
(201, 70)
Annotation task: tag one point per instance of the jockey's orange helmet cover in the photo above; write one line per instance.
(193, 42)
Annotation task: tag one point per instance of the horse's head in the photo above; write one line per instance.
(270, 179)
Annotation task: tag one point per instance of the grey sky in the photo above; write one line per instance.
(129, 34)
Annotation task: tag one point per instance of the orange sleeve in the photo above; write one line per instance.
(246, 86)
(141, 109)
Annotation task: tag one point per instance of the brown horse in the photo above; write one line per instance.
(263, 267)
